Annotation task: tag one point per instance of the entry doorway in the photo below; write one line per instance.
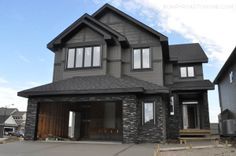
(190, 115)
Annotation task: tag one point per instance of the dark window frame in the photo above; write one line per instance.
(187, 73)
(83, 59)
(141, 58)
(143, 112)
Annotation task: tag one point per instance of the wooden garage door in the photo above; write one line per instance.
(53, 120)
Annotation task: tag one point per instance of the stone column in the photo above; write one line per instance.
(130, 122)
(31, 120)
(205, 111)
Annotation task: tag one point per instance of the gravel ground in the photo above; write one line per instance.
(226, 151)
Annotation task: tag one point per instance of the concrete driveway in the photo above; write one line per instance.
(26, 148)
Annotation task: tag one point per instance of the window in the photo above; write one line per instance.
(141, 58)
(231, 77)
(148, 112)
(187, 71)
(71, 58)
(172, 109)
(84, 57)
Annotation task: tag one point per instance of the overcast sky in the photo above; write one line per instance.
(28, 25)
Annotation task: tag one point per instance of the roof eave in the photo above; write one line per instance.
(28, 94)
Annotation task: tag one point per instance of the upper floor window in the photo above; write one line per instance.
(83, 57)
(187, 71)
(141, 58)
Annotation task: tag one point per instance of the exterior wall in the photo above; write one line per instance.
(227, 91)
(85, 37)
(149, 132)
(173, 122)
(172, 72)
(31, 120)
(198, 71)
(137, 38)
(133, 130)
(114, 60)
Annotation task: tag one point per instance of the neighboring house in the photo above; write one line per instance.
(119, 80)
(12, 119)
(226, 81)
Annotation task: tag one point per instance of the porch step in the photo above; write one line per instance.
(184, 140)
(194, 132)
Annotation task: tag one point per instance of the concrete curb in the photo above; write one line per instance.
(192, 147)
(83, 142)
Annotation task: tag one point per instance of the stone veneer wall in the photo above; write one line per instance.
(152, 133)
(173, 121)
(133, 130)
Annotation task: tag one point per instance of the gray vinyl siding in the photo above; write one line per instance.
(198, 72)
(168, 74)
(85, 37)
(114, 60)
(137, 38)
(134, 34)
(227, 91)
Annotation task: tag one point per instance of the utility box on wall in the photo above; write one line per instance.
(229, 127)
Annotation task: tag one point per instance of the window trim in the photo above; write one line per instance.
(83, 59)
(231, 76)
(187, 72)
(143, 112)
(172, 105)
(141, 58)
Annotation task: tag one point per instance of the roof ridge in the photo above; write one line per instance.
(162, 36)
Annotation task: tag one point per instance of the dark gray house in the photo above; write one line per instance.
(117, 79)
(226, 82)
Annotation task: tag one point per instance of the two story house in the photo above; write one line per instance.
(226, 82)
(117, 79)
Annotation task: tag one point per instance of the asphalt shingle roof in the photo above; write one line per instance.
(187, 53)
(95, 85)
(7, 111)
(192, 85)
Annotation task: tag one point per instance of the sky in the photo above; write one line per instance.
(26, 26)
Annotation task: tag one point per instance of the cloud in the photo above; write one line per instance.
(209, 22)
(8, 96)
(3, 81)
(24, 59)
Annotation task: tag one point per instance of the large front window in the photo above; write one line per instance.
(84, 57)
(141, 58)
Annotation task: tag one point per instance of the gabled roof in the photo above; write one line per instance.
(7, 111)
(193, 85)
(89, 21)
(95, 85)
(187, 53)
(119, 12)
(18, 113)
(228, 63)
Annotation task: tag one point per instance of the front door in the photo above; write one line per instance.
(190, 115)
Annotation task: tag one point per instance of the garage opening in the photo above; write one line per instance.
(80, 121)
